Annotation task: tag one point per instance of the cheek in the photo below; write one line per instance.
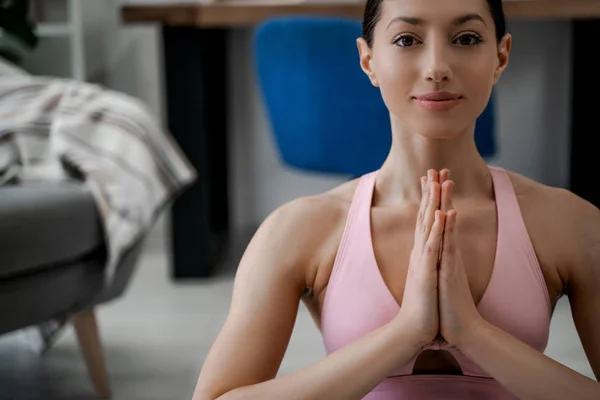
(477, 79)
(396, 76)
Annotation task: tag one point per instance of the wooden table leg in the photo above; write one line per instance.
(585, 116)
(196, 84)
(88, 336)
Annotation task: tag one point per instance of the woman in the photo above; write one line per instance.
(457, 308)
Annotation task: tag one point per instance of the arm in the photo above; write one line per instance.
(524, 371)
(244, 360)
(584, 285)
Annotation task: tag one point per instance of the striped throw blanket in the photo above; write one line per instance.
(52, 129)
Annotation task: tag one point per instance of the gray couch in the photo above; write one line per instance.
(53, 259)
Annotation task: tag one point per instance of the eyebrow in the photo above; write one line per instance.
(456, 21)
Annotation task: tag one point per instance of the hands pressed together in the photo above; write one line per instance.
(437, 300)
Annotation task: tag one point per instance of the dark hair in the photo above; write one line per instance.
(373, 11)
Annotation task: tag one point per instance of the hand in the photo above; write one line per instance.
(419, 310)
(458, 313)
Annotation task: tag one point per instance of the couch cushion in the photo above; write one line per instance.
(35, 298)
(43, 225)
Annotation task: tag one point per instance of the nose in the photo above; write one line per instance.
(437, 67)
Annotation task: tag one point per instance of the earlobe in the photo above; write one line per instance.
(364, 52)
(372, 76)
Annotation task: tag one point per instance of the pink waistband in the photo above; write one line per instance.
(448, 387)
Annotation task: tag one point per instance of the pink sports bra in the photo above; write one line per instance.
(358, 301)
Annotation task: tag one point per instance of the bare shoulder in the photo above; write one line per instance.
(315, 214)
(562, 225)
(559, 207)
(303, 229)
(529, 191)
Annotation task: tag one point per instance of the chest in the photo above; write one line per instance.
(392, 233)
(393, 240)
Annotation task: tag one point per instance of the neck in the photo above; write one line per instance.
(412, 155)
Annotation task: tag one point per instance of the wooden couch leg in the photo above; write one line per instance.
(89, 342)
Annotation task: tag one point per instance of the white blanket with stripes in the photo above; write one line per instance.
(53, 129)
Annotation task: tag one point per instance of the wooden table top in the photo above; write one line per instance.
(237, 13)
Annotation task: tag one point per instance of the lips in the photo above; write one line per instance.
(438, 101)
(438, 96)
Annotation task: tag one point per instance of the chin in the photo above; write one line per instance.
(434, 125)
(439, 129)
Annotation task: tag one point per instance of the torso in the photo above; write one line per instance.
(393, 235)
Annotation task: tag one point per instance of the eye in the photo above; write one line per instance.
(468, 39)
(406, 40)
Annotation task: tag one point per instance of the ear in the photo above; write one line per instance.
(366, 60)
(503, 54)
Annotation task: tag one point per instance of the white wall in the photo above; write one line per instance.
(533, 129)
(534, 105)
(134, 62)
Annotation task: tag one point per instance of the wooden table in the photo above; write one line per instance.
(224, 13)
(195, 44)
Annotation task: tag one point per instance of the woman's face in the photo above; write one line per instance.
(435, 63)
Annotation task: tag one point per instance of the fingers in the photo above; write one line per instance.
(449, 242)
(447, 187)
(423, 207)
(431, 198)
(444, 175)
(433, 175)
(432, 205)
(431, 250)
(436, 219)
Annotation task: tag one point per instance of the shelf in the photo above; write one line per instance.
(230, 13)
(54, 30)
(44, 62)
